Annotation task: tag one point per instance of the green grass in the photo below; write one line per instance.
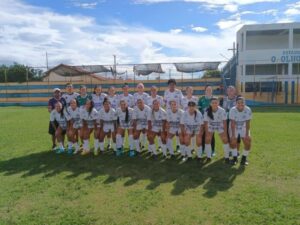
(39, 187)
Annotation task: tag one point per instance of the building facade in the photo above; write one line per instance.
(268, 62)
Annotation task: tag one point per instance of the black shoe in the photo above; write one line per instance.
(244, 161)
(234, 161)
(177, 148)
(154, 156)
(227, 161)
(172, 157)
(108, 147)
(208, 160)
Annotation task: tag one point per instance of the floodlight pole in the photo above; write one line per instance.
(115, 67)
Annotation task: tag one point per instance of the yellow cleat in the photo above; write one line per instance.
(85, 152)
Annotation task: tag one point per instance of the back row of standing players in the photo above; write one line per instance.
(142, 115)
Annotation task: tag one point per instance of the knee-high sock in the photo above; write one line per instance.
(234, 152)
(101, 144)
(199, 152)
(86, 144)
(137, 145)
(153, 149)
(96, 144)
(164, 149)
(119, 141)
(188, 151)
(183, 150)
(159, 141)
(208, 150)
(226, 150)
(131, 142)
(193, 144)
(177, 141)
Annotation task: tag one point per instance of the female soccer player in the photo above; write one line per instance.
(108, 121)
(140, 94)
(216, 121)
(98, 97)
(83, 97)
(74, 125)
(191, 124)
(60, 128)
(88, 115)
(124, 121)
(155, 96)
(140, 123)
(114, 100)
(173, 126)
(128, 98)
(172, 94)
(70, 94)
(188, 98)
(240, 116)
(203, 105)
(157, 128)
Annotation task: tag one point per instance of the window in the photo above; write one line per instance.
(270, 86)
(296, 38)
(267, 69)
(296, 68)
(267, 39)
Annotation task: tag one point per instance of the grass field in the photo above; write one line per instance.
(40, 187)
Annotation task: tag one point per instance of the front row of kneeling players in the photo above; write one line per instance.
(79, 123)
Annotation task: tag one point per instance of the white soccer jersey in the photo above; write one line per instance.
(69, 97)
(98, 100)
(157, 118)
(74, 115)
(240, 119)
(113, 101)
(174, 120)
(61, 120)
(185, 100)
(89, 117)
(217, 123)
(192, 123)
(128, 99)
(138, 96)
(157, 97)
(175, 95)
(121, 117)
(141, 117)
(109, 118)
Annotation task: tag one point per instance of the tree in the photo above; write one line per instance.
(212, 74)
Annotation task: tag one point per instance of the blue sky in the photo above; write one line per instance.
(137, 31)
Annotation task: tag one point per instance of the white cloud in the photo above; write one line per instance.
(27, 32)
(231, 7)
(292, 12)
(199, 29)
(175, 31)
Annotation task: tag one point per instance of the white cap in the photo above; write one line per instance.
(56, 89)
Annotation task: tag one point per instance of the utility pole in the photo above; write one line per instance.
(47, 61)
(233, 49)
(115, 67)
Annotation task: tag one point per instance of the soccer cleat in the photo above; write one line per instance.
(234, 160)
(227, 161)
(119, 152)
(76, 151)
(54, 147)
(131, 153)
(172, 156)
(213, 153)
(60, 150)
(208, 160)
(244, 161)
(70, 151)
(108, 147)
(178, 148)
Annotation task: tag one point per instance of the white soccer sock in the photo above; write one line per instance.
(86, 145)
(159, 141)
(188, 151)
(234, 152)
(119, 141)
(61, 145)
(164, 149)
(246, 152)
(153, 149)
(143, 139)
(182, 150)
(70, 144)
(137, 145)
(226, 150)
(96, 144)
(101, 145)
(208, 150)
(199, 152)
(113, 146)
(170, 146)
(131, 142)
